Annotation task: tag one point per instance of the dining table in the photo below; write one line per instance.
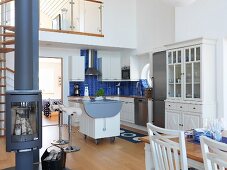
(193, 151)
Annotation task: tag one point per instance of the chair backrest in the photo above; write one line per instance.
(166, 153)
(214, 154)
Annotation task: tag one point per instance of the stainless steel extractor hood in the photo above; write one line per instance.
(91, 70)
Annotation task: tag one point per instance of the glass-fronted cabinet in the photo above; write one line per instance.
(192, 72)
(183, 73)
(174, 67)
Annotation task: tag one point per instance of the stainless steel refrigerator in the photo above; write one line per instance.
(159, 88)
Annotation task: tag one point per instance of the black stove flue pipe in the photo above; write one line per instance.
(26, 62)
(27, 44)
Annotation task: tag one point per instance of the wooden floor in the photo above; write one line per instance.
(121, 155)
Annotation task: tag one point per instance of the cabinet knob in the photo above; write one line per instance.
(181, 107)
(194, 108)
(169, 105)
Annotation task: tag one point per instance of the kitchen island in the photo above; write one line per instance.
(100, 119)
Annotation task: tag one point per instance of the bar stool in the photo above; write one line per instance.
(60, 141)
(70, 111)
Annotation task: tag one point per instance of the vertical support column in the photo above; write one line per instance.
(72, 15)
(26, 54)
(24, 160)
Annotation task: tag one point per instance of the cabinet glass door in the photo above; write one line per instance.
(197, 73)
(192, 73)
(174, 73)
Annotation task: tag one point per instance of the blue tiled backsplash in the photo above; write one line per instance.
(110, 88)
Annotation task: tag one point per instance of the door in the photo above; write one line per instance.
(173, 120)
(50, 77)
(174, 73)
(77, 68)
(159, 74)
(190, 121)
(192, 73)
(159, 113)
(115, 67)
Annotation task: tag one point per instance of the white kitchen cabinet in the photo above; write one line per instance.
(173, 120)
(77, 68)
(190, 121)
(133, 62)
(99, 127)
(190, 83)
(127, 111)
(109, 65)
(179, 118)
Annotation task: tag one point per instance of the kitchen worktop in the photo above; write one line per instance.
(128, 96)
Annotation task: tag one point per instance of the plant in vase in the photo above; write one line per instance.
(100, 94)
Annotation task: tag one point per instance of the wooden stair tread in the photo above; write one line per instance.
(7, 42)
(2, 128)
(2, 120)
(2, 94)
(2, 102)
(2, 111)
(8, 34)
(3, 77)
(7, 27)
(5, 1)
(2, 85)
(6, 50)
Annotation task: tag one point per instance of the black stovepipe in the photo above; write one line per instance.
(26, 62)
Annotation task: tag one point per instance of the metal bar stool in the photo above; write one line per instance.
(70, 111)
(60, 141)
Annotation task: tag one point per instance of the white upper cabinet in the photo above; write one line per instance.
(109, 64)
(190, 71)
(77, 68)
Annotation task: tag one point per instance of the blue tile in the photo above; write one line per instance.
(126, 87)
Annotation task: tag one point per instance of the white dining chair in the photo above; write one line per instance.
(166, 153)
(214, 154)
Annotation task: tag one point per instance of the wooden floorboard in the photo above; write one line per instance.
(121, 155)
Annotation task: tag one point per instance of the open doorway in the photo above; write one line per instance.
(50, 82)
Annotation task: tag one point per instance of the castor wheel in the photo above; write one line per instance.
(96, 141)
(85, 137)
(112, 139)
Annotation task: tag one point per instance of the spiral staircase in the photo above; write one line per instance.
(7, 42)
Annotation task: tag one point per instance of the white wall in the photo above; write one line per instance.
(64, 54)
(206, 18)
(225, 82)
(119, 27)
(155, 24)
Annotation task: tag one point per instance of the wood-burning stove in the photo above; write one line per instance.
(23, 120)
(23, 106)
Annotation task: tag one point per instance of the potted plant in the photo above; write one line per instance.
(100, 94)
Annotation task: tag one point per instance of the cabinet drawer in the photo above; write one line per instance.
(180, 106)
(195, 108)
(169, 106)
